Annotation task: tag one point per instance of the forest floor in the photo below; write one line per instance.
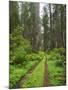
(45, 80)
(43, 73)
(26, 76)
(34, 78)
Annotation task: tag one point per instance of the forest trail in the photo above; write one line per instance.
(29, 73)
(26, 76)
(46, 76)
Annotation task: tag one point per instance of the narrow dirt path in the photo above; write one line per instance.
(46, 76)
(26, 76)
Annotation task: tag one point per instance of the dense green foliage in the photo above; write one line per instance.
(58, 55)
(56, 67)
(17, 71)
(21, 56)
(19, 47)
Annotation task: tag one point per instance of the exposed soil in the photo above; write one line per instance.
(46, 75)
(25, 77)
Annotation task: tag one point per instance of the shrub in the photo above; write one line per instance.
(33, 57)
(61, 51)
(55, 54)
(59, 63)
(19, 47)
(20, 56)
